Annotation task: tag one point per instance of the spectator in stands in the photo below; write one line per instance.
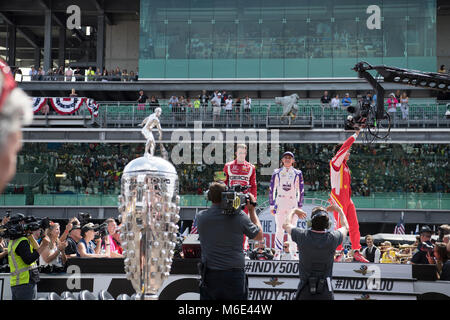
(98, 75)
(60, 74)
(228, 107)
(237, 108)
(86, 246)
(371, 252)
(335, 102)
(154, 103)
(105, 75)
(142, 100)
(389, 253)
(204, 98)
(197, 105)
(404, 105)
(286, 253)
(73, 238)
(40, 74)
(33, 73)
(325, 99)
(217, 102)
(247, 107)
(440, 259)
(73, 94)
(125, 76)
(90, 74)
(78, 75)
(173, 103)
(53, 257)
(346, 101)
(132, 76)
(442, 69)
(261, 252)
(69, 74)
(116, 239)
(118, 74)
(112, 229)
(18, 76)
(392, 105)
(425, 247)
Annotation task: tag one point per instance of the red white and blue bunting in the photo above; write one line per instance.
(66, 106)
(38, 103)
(92, 106)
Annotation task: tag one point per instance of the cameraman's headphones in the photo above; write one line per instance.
(318, 214)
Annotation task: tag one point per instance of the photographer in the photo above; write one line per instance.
(115, 249)
(221, 236)
(23, 253)
(261, 252)
(86, 246)
(316, 247)
(425, 247)
(73, 230)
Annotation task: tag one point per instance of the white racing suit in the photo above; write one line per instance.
(286, 193)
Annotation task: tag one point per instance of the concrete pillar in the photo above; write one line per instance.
(37, 57)
(62, 46)
(11, 45)
(100, 42)
(48, 41)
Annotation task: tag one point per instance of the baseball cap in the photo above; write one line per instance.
(288, 153)
(75, 227)
(87, 227)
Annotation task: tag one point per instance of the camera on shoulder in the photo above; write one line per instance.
(231, 199)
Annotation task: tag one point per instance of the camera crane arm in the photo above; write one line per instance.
(430, 80)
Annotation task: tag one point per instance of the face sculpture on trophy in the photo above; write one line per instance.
(149, 213)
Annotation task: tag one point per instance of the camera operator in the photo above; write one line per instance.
(425, 247)
(316, 247)
(221, 236)
(86, 246)
(23, 253)
(114, 248)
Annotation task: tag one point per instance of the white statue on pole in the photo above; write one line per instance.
(148, 124)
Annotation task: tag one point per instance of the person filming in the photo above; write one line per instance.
(317, 247)
(221, 236)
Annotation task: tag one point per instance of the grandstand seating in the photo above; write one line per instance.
(423, 112)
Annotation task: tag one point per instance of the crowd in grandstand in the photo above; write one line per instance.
(97, 168)
(76, 74)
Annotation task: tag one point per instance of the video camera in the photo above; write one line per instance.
(101, 231)
(234, 200)
(358, 115)
(22, 226)
(84, 218)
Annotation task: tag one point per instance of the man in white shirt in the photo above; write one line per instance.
(247, 107)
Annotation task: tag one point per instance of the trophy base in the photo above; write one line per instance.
(147, 296)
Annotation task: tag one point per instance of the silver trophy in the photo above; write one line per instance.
(149, 213)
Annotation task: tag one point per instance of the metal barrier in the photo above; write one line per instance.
(263, 114)
(439, 201)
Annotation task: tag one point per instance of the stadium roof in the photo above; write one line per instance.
(28, 17)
